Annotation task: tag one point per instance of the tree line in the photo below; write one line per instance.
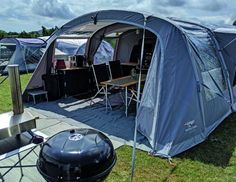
(33, 34)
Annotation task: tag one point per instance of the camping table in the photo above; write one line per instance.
(122, 82)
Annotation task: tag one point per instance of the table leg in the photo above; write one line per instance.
(106, 97)
(126, 100)
(65, 84)
(46, 96)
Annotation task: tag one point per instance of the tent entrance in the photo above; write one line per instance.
(114, 42)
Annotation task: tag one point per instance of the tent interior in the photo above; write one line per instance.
(76, 72)
(71, 87)
(78, 80)
(127, 41)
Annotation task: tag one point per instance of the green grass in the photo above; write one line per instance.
(5, 94)
(212, 160)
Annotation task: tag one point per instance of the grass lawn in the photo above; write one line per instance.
(212, 160)
(5, 94)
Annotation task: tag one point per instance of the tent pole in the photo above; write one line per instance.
(232, 41)
(138, 97)
(25, 60)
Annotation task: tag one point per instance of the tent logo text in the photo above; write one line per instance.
(190, 126)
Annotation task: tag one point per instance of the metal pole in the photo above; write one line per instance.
(126, 101)
(137, 104)
(106, 97)
(15, 86)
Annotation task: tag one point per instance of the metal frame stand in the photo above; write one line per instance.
(37, 93)
(18, 164)
(102, 91)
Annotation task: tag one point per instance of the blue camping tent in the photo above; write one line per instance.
(189, 89)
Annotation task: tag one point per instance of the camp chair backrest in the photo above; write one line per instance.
(115, 69)
(100, 73)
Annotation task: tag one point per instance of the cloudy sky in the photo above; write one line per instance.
(32, 14)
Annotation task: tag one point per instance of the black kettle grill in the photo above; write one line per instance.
(84, 155)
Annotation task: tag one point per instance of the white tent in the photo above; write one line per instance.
(22, 51)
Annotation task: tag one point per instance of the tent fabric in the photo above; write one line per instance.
(96, 39)
(104, 53)
(226, 38)
(187, 93)
(126, 43)
(26, 54)
(227, 41)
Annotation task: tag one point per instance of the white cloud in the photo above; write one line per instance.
(52, 9)
(32, 14)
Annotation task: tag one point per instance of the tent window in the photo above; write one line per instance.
(32, 55)
(77, 47)
(209, 64)
(6, 52)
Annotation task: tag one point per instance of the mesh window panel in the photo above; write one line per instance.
(209, 64)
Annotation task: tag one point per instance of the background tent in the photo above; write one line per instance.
(73, 47)
(187, 93)
(22, 51)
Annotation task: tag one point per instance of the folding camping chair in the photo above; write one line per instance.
(100, 74)
(134, 93)
(115, 69)
(116, 72)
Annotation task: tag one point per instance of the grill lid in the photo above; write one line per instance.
(73, 155)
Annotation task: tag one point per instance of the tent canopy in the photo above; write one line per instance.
(187, 93)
